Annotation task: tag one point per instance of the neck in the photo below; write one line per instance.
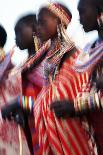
(54, 38)
(100, 33)
(31, 51)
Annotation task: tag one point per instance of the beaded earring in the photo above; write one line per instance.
(100, 21)
(36, 43)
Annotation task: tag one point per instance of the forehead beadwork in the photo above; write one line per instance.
(60, 12)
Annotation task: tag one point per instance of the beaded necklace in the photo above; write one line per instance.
(95, 56)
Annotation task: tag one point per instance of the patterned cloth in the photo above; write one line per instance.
(29, 89)
(32, 86)
(33, 79)
(96, 118)
(10, 88)
(95, 55)
(94, 99)
(59, 136)
(5, 65)
(32, 82)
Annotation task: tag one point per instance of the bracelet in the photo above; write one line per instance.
(26, 102)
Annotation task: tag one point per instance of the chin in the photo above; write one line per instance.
(21, 47)
(86, 29)
(43, 37)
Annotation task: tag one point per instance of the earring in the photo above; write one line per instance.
(36, 43)
(59, 32)
(100, 21)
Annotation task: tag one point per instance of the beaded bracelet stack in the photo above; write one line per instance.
(89, 102)
(26, 102)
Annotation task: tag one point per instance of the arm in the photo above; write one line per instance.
(20, 116)
(83, 106)
(80, 98)
(22, 103)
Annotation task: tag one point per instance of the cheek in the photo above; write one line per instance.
(52, 29)
(92, 16)
(43, 32)
(27, 36)
(52, 24)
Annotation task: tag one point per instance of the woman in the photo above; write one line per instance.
(91, 18)
(32, 80)
(24, 30)
(61, 82)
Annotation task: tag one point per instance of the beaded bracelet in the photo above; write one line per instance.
(91, 102)
(26, 102)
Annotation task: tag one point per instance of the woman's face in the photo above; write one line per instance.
(24, 37)
(88, 15)
(47, 26)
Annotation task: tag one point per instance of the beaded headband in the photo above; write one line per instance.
(60, 12)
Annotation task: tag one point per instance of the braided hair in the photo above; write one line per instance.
(3, 36)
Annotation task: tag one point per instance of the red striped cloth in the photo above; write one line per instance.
(30, 89)
(10, 88)
(62, 136)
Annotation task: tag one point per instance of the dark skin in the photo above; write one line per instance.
(3, 36)
(24, 38)
(48, 22)
(88, 12)
(47, 25)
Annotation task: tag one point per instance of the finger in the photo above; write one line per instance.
(57, 114)
(54, 105)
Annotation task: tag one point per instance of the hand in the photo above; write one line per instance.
(8, 110)
(63, 109)
(19, 117)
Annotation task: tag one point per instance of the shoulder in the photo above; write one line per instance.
(70, 57)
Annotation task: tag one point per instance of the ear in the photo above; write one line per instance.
(100, 20)
(101, 17)
(58, 21)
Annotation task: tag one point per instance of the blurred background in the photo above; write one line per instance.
(12, 10)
